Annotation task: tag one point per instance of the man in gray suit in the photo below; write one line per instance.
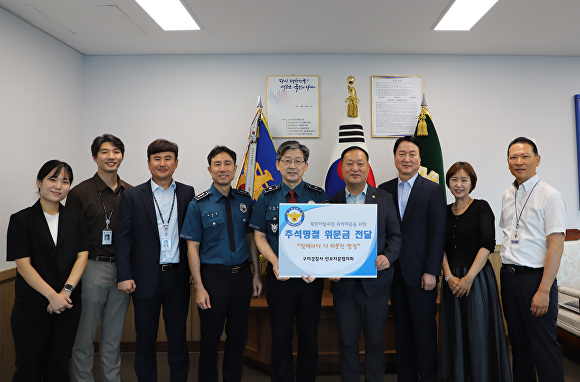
(365, 301)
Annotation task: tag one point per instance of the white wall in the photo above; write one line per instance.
(41, 99)
(478, 104)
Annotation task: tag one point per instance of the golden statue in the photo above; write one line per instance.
(352, 98)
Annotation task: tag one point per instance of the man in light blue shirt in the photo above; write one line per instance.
(152, 262)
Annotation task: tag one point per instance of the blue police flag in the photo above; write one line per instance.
(259, 167)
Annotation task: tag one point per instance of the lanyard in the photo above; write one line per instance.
(108, 218)
(518, 218)
(165, 225)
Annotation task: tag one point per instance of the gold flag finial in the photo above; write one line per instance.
(352, 98)
(422, 125)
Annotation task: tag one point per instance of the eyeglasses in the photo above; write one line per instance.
(286, 162)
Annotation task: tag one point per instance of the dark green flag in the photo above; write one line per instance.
(431, 157)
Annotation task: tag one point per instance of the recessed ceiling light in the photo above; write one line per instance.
(171, 15)
(464, 14)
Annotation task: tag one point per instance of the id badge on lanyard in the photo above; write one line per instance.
(515, 239)
(107, 237)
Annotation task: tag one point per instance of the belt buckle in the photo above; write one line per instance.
(510, 269)
(165, 267)
(236, 269)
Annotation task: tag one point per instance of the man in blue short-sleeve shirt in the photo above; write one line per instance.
(289, 297)
(220, 245)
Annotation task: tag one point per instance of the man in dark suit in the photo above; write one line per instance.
(365, 301)
(152, 261)
(421, 209)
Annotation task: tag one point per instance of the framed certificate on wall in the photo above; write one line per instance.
(327, 240)
(293, 106)
(396, 104)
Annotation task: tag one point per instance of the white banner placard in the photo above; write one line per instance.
(327, 240)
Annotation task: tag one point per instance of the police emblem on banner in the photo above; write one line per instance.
(294, 216)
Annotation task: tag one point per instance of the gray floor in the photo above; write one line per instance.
(571, 367)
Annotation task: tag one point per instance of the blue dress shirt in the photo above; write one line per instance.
(165, 200)
(206, 223)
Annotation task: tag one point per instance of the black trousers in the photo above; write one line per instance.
(414, 311)
(534, 339)
(229, 296)
(173, 294)
(354, 311)
(43, 342)
(287, 299)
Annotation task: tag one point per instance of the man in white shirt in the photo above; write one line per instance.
(533, 220)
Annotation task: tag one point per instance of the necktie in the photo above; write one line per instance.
(292, 197)
(230, 220)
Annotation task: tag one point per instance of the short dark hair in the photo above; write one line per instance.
(161, 146)
(292, 145)
(407, 138)
(98, 142)
(523, 140)
(458, 166)
(351, 148)
(218, 150)
(57, 166)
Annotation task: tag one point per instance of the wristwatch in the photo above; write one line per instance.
(448, 277)
(68, 288)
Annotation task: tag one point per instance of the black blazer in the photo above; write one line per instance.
(29, 236)
(423, 229)
(137, 242)
(388, 243)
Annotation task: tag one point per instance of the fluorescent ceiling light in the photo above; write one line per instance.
(171, 15)
(464, 14)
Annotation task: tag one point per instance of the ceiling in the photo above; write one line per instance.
(121, 27)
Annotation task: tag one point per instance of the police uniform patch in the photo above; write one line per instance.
(315, 188)
(201, 196)
(274, 227)
(242, 192)
(243, 208)
(271, 188)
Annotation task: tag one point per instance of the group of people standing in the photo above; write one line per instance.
(151, 241)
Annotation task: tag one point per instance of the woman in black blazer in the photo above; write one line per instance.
(49, 244)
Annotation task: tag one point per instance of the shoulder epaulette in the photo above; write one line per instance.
(201, 196)
(315, 188)
(242, 192)
(271, 188)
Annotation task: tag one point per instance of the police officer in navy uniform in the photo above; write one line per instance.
(289, 297)
(220, 245)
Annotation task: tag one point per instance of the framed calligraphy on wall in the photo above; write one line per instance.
(293, 106)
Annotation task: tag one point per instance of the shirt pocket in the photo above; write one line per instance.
(213, 228)
(242, 221)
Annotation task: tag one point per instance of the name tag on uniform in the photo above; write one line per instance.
(166, 244)
(107, 237)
